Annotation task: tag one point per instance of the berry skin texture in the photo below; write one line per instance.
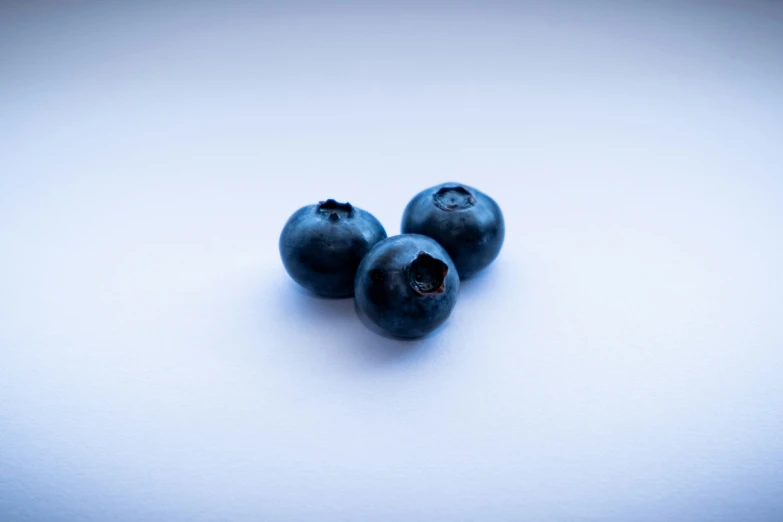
(407, 285)
(467, 222)
(322, 245)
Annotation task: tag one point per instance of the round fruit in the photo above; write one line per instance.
(467, 222)
(407, 285)
(322, 245)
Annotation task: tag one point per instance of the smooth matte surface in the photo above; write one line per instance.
(406, 286)
(620, 361)
(468, 223)
(321, 246)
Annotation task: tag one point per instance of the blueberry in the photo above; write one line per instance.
(322, 246)
(407, 285)
(467, 222)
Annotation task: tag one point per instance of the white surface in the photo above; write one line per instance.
(621, 361)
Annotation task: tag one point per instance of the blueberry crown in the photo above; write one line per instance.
(453, 197)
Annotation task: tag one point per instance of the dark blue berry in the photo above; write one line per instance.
(407, 285)
(322, 245)
(467, 222)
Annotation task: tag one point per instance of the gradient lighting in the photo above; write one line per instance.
(620, 361)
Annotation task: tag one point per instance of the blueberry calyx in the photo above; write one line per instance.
(452, 198)
(427, 275)
(334, 209)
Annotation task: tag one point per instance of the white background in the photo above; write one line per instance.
(622, 360)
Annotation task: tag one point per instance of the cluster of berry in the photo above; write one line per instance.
(406, 285)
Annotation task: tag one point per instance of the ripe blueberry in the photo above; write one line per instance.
(322, 245)
(467, 222)
(407, 285)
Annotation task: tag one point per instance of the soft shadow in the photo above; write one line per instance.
(337, 330)
(307, 304)
(480, 283)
